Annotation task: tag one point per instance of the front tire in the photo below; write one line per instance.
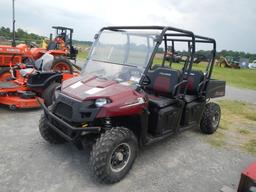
(47, 133)
(211, 118)
(113, 154)
(49, 95)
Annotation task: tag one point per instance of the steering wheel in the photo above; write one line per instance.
(127, 73)
(135, 72)
(139, 72)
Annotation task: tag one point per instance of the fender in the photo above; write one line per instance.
(43, 79)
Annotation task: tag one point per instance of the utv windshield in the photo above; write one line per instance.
(120, 55)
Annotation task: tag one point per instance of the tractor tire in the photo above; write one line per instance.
(49, 94)
(62, 64)
(49, 134)
(211, 118)
(4, 73)
(113, 154)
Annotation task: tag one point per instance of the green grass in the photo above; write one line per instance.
(250, 146)
(82, 51)
(237, 127)
(244, 78)
(82, 55)
(241, 109)
(244, 131)
(218, 140)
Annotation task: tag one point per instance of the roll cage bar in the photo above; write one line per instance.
(172, 34)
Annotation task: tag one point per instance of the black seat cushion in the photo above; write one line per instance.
(163, 81)
(160, 102)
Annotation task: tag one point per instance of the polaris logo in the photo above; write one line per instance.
(66, 100)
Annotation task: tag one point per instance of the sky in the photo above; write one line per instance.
(231, 22)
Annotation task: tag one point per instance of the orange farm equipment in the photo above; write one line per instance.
(27, 85)
(60, 47)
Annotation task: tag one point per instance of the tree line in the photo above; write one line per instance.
(20, 34)
(6, 33)
(23, 36)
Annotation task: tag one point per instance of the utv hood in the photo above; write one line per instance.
(91, 87)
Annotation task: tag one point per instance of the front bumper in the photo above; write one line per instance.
(74, 132)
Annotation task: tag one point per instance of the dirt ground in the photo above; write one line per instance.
(187, 162)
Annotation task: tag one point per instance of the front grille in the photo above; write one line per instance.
(73, 111)
(64, 110)
(63, 129)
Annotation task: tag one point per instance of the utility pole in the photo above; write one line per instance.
(13, 24)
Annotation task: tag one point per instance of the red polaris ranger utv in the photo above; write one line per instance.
(122, 100)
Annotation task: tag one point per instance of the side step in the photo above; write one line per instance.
(151, 139)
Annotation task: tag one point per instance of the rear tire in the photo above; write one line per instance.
(47, 133)
(49, 94)
(5, 73)
(211, 118)
(63, 65)
(113, 154)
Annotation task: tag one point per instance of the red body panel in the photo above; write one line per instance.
(6, 54)
(36, 53)
(123, 104)
(124, 99)
(250, 171)
(248, 179)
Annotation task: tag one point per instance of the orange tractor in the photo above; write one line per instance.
(60, 47)
(26, 84)
(31, 73)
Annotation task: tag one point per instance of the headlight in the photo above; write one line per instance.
(100, 102)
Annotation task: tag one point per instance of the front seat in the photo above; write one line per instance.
(162, 86)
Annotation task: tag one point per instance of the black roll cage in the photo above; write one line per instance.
(174, 35)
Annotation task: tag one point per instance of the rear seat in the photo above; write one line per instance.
(194, 80)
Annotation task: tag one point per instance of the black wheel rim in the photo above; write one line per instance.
(120, 157)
